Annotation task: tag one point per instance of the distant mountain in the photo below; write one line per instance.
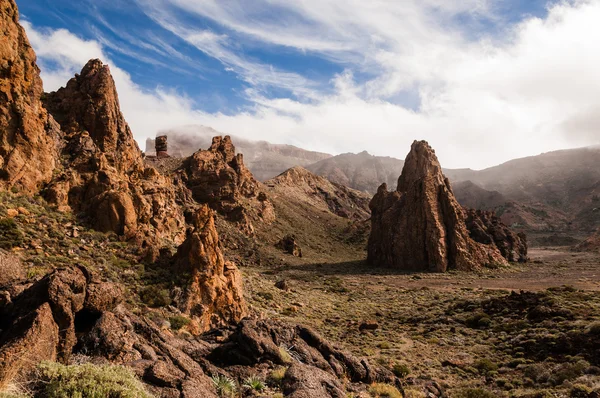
(362, 171)
(265, 160)
(553, 191)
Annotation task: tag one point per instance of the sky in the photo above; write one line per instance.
(484, 81)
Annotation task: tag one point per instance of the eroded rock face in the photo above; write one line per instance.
(218, 176)
(591, 244)
(421, 226)
(484, 227)
(214, 296)
(289, 244)
(103, 173)
(39, 323)
(28, 136)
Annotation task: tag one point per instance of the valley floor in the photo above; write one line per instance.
(471, 331)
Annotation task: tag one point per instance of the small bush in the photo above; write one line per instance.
(88, 381)
(178, 321)
(284, 354)
(154, 296)
(226, 387)
(10, 234)
(580, 391)
(485, 366)
(593, 329)
(254, 383)
(277, 375)
(382, 390)
(401, 370)
(479, 320)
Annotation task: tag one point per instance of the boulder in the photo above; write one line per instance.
(214, 295)
(289, 245)
(420, 226)
(303, 381)
(28, 135)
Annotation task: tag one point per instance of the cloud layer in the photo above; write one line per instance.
(412, 70)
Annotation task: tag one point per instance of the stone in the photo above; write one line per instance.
(421, 226)
(302, 381)
(289, 245)
(12, 213)
(30, 340)
(214, 295)
(368, 325)
(28, 135)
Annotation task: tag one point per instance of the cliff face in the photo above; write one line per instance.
(28, 136)
(103, 174)
(421, 226)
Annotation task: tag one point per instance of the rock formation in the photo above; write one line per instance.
(421, 226)
(103, 174)
(485, 227)
(218, 176)
(289, 245)
(214, 296)
(28, 136)
(162, 149)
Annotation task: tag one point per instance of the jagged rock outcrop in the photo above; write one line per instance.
(214, 296)
(28, 135)
(218, 176)
(485, 227)
(39, 322)
(103, 174)
(421, 226)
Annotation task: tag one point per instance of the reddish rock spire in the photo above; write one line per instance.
(421, 226)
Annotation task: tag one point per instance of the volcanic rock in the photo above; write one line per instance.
(485, 227)
(214, 296)
(28, 135)
(421, 226)
(218, 176)
(162, 147)
(591, 244)
(289, 245)
(103, 174)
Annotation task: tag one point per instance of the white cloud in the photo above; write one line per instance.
(533, 89)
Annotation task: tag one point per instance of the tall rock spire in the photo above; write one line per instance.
(421, 226)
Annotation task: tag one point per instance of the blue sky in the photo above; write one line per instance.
(340, 75)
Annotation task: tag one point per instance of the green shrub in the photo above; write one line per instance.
(485, 366)
(254, 383)
(178, 321)
(154, 296)
(10, 234)
(285, 355)
(401, 370)
(478, 320)
(88, 381)
(226, 387)
(580, 391)
(382, 390)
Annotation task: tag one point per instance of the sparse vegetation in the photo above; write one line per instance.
(225, 386)
(380, 390)
(179, 321)
(254, 383)
(88, 381)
